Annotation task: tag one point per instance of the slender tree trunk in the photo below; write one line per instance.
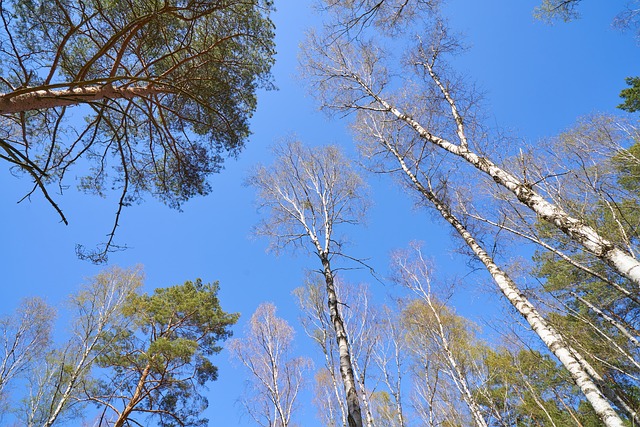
(331, 372)
(611, 394)
(354, 415)
(282, 412)
(336, 390)
(365, 400)
(399, 410)
(27, 100)
(458, 376)
(510, 290)
(71, 383)
(568, 409)
(534, 395)
(540, 326)
(396, 390)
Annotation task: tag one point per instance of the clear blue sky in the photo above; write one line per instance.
(538, 80)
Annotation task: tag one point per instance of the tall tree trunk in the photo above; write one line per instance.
(354, 414)
(365, 400)
(510, 290)
(611, 393)
(623, 262)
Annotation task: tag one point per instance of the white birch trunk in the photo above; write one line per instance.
(540, 326)
(510, 290)
(393, 384)
(354, 415)
(365, 399)
(458, 376)
(611, 394)
(583, 234)
(336, 390)
(71, 382)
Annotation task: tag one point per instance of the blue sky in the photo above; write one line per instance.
(538, 80)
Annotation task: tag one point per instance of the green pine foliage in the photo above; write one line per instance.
(166, 350)
(586, 300)
(178, 84)
(527, 388)
(631, 95)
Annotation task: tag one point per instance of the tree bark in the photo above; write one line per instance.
(509, 289)
(75, 375)
(576, 229)
(457, 375)
(38, 99)
(611, 394)
(354, 414)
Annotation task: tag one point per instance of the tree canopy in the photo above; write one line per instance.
(150, 94)
(157, 365)
(520, 309)
(134, 356)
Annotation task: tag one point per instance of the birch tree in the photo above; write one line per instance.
(356, 75)
(446, 335)
(361, 322)
(391, 357)
(329, 396)
(527, 388)
(59, 378)
(151, 95)
(330, 405)
(551, 338)
(369, 347)
(568, 10)
(276, 376)
(591, 169)
(134, 356)
(308, 192)
(25, 336)
(427, 127)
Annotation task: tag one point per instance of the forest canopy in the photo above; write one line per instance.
(453, 243)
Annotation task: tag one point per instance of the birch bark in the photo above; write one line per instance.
(577, 230)
(309, 192)
(354, 414)
(510, 290)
